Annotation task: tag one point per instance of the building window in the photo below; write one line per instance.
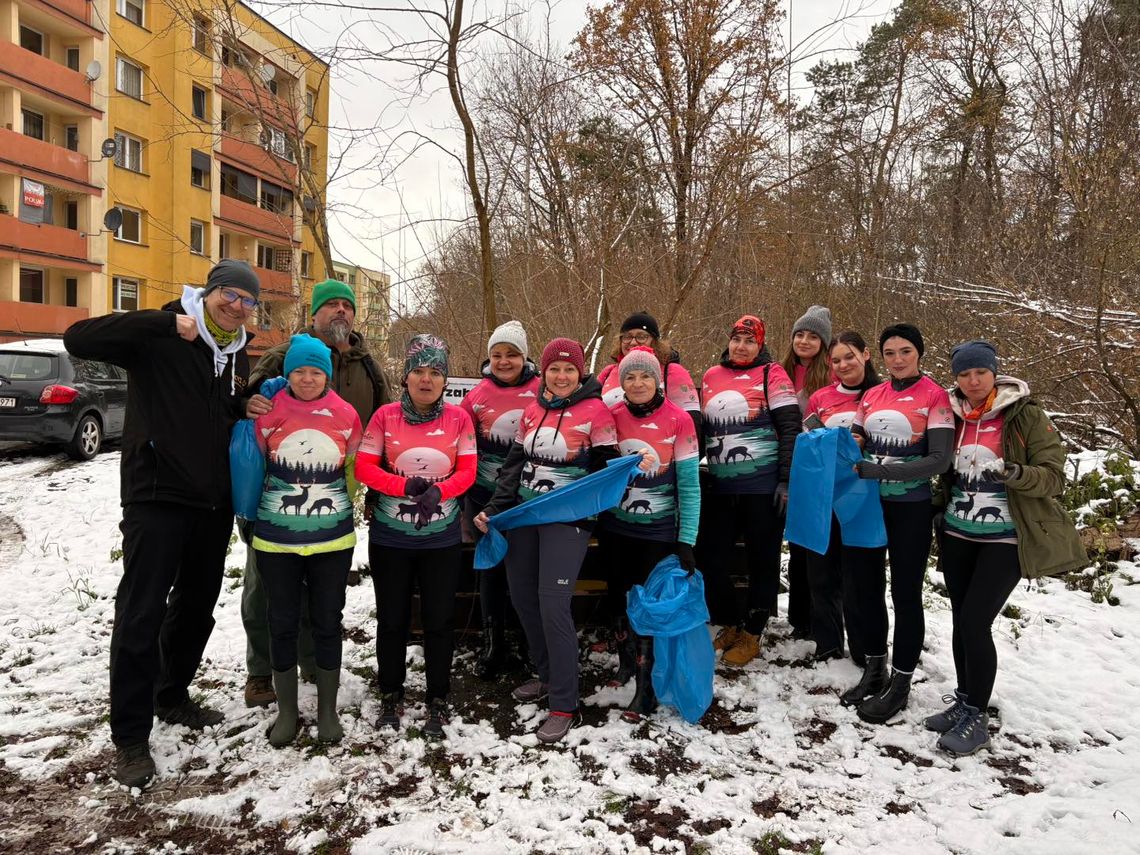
(73, 58)
(126, 294)
(71, 137)
(306, 264)
(310, 102)
(200, 168)
(276, 199)
(352, 279)
(33, 124)
(131, 229)
(71, 292)
(238, 185)
(201, 34)
(72, 210)
(31, 285)
(276, 142)
(310, 152)
(225, 122)
(128, 78)
(198, 100)
(265, 256)
(128, 152)
(132, 10)
(197, 237)
(32, 40)
(223, 245)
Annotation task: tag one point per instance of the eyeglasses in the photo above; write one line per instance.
(247, 303)
(636, 338)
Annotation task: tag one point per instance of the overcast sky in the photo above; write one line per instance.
(389, 219)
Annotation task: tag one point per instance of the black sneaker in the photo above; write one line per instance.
(391, 710)
(438, 716)
(191, 714)
(134, 767)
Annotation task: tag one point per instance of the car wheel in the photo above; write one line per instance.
(87, 440)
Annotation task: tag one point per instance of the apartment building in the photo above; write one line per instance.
(219, 130)
(373, 301)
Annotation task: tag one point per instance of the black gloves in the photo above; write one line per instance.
(416, 485)
(427, 506)
(871, 470)
(780, 499)
(686, 556)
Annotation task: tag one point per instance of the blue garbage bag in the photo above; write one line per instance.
(599, 491)
(272, 386)
(670, 606)
(247, 470)
(824, 482)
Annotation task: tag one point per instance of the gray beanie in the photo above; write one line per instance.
(816, 319)
(973, 354)
(231, 273)
(511, 333)
(640, 359)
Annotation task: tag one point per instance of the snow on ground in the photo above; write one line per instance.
(776, 762)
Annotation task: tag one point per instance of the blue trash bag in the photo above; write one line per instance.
(272, 386)
(247, 470)
(670, 606)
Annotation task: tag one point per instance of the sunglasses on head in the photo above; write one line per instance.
(248, 303)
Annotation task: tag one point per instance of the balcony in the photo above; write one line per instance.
(254, 157)
(43, 244)
(275, 282)
(50, 162)
(36, 320)
(255, 97)
(74, 10)
(252, 220)
(50, 79)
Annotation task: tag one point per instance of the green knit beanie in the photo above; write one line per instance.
(331, 289)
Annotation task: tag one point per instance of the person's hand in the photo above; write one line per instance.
(258, 405)
(415, 486)
(1012, 470)
(482, 521)
(187, 327)
(648, 459)
(859, 439)
(686, 557)
(428, 506)
(780, 499)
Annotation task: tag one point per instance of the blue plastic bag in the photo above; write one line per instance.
(247, 470)
(671, 607)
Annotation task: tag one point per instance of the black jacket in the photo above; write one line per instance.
(176, 437)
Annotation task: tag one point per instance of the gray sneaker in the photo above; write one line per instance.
(969, 735)
(557, 725)
(944, 721)
(530, 692)
(134, 767)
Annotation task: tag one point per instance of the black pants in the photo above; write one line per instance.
(493, 594)
(723, 519)
(833, 603)
(292, 581)
(435, 572)
(908, 544)
(799, 588)
(628, 561)
(173, 559)
(980, 577)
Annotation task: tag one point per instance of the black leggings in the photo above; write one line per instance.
(628, 561)
(908, 544)
(980, 577)
(290, 578)
(723, 518)
(799, 589)
(833, 602)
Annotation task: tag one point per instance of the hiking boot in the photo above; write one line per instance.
(391, 710)
(259, 692)
(285, 726)
(493, 659)
(191, 714)
(726, 637)
(134, 767)
(530, 692)
(626, 643)
(557, 725)
(644, 699)
(328, 725)
(744, 650)
(969, 735)
(873, 681)
(438, 716)
(944, 721)
(879, 708)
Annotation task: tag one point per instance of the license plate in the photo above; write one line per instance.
(7, 402)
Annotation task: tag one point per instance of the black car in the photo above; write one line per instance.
(49, 396)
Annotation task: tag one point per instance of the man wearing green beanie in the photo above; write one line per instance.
(357, 378)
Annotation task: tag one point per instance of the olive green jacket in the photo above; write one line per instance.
(1047, 541)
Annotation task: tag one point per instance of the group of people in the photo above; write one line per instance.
(326, 424)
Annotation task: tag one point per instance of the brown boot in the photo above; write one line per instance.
(725, 638)
(746, 648)
(259, 692)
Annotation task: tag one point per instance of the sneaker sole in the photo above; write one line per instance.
(953, 753)
(875, 719)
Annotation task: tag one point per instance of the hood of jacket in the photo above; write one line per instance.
(1010, 390)
(590, 388)
(193, 304)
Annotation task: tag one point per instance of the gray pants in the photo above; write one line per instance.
(542, 569)
(255, 619)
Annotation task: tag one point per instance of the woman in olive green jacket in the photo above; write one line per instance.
(999, 521)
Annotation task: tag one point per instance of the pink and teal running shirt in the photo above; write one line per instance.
(895, 425)
(679, 386)
(648, 510)
(496, 412)
(834, 405)
(740, 439)
(557, 443)
(979, 506)
(430, 450)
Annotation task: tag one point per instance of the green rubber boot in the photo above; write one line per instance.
(284, 727)
(328, 725)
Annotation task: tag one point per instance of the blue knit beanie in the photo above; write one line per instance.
(306, 350)
(973, 354)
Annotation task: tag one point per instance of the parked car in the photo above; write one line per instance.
(49, 396)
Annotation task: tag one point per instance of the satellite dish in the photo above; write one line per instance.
(109, 148)
(113, 219)
(267, 71)
(94, 70)
(309, 204)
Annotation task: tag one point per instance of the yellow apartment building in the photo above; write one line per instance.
(373, 301)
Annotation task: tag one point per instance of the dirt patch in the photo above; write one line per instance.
(1008, 765)
(772, 805)
(357, 635)
(668, 761)
(905, 756)
(645, 822)
(819, 730)
(11, 541)
(719, 720)
(709, 826)
(895, 808)
(1019, 786)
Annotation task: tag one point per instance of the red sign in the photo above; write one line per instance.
(33, 194)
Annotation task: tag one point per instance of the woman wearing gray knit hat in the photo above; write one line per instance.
(999, 522)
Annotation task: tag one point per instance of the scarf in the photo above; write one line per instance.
(413, 416)
(640, 411)
(984, 408)
(224, 338)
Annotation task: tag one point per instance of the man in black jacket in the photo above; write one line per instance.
(187, 367)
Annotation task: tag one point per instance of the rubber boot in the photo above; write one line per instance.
(644, 698)
(873, 681)
(889, 702)
(284, 727)
(626, 643)
(494, 654)
(328, 725)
